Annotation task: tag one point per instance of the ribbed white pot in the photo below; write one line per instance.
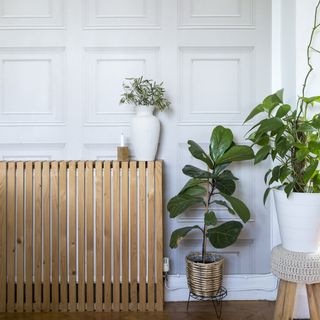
(145, 133)
(299, 220)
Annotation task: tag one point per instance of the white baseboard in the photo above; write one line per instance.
(240, 287)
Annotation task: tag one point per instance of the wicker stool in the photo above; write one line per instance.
(293, 268)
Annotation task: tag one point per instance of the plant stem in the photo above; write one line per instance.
(204, 239)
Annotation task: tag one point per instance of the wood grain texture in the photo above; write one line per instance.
(159, 233)
(133, 237)
(313, 301)
(125, 236)
(38, 236)
(90, 234)
(46, 235)
(232, 310)
(63, 236)
(72, 236)
(285, 300)
(116, 236)
(55, 234)
(107, 235)
(3, 236)
(81, 236)
(142, 235)
(99, 237)
(151, 235)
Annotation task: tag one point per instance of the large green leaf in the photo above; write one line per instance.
(179, 234)
(195, 172)
(221, 140)
(258, 109)
(237, 153)
(181, 203)
(194, 187)
(283, 110)
(310, 170)
(227, 186)
(210, 218)
(239, 207)
(225, 234)
(314, 147)
(224, 204)
(199, 153)
(311, 99)
(268, 125)
(262, 154)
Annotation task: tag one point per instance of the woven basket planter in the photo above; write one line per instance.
(204, 279)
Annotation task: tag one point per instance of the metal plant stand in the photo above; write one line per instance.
(216, 300)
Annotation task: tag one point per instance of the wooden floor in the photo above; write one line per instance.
(232, 310)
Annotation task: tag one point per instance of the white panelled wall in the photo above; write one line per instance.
(61, 67)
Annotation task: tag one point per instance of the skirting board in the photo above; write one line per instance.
(240, 287)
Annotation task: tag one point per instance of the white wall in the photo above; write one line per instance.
(62, 64)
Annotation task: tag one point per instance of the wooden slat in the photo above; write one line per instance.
(20, 237)
(11, 235)
(46, 235)
(151, 236)
(142, 235)
(55, 235)
(99, 237)
(116, 236)
(72, 237)
(289, 301)
(107, 235)
(159, 235)
(81, 238)
(125, 236)
(3, 236)
(63, 236)
(38, 237)
(133, 237)
(29, 235)
(312, 302)
(90, 234)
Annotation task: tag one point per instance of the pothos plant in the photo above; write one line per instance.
(144, 92)
(214, 186)
(290, 135)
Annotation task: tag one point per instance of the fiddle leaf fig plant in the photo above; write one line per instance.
(144, 92)
(290, 136)
(213, 186)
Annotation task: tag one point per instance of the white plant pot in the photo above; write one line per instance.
(299, 220)
(145, 133)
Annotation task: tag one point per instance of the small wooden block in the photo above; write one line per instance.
(123, 154)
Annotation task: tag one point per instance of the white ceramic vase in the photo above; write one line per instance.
(145, 133)
(299, 220)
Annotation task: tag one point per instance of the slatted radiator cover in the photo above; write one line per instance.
(81, 235)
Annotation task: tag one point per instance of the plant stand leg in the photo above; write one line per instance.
(217, 304)
(188, 301)
(313, 300)
(285, 300)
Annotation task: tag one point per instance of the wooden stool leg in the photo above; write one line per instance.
(313, 291)
(285, 300)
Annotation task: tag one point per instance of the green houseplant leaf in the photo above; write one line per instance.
(199, 154)
(239, 207)
(221, 140)
(210, 218)
(181, 203)
(236, 153)
(195, 172)
(225, 234)
(179, 234)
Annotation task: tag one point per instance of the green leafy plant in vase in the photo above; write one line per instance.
(290, 137)
(146, 95)
(213, 186)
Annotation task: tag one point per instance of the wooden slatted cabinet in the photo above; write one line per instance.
(83, 235)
